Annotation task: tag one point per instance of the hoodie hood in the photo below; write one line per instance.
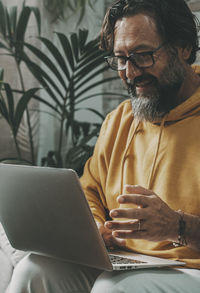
(189, 107)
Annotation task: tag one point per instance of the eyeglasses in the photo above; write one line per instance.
(140, 60)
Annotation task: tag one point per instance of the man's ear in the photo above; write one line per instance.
(185, 53)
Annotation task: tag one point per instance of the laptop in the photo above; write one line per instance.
(44, 210)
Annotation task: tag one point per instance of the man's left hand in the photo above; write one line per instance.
(152, 220)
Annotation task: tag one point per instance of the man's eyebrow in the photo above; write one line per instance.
(135, 49)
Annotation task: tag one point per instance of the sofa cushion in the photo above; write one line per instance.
(13, 254)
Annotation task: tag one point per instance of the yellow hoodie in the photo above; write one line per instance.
(162, 156)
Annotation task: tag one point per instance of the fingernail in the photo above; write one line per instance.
(108, 224)
(114, 214)
(121, 199)
(116, 234)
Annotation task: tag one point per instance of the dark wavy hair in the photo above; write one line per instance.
(175, 22)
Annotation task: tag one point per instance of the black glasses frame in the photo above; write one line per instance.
(131, 58)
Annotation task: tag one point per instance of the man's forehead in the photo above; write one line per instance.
(134, 31)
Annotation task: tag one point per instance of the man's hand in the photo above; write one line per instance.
(153, 220)
(109, 239)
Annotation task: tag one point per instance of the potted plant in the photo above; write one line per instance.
(66, 75)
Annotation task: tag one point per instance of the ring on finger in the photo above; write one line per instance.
(139, 225)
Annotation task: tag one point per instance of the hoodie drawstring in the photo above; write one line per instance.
(155, 156)
(125, 152)
(156, 153)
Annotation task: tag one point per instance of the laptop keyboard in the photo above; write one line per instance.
(115, 259)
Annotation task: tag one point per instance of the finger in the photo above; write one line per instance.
(118, 242)
(137, 189)
(136, 199)
(128, 213)
(122, 225)
(130, 234)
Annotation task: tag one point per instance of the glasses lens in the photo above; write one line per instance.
(116, 63)
(142, 59)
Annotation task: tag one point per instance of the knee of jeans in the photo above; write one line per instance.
(27, 274)
(107, 284)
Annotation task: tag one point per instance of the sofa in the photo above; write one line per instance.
(9, 257)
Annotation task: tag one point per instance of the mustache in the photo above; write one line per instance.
(145, 78)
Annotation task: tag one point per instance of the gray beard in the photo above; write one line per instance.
(146, 108)
(155, 105)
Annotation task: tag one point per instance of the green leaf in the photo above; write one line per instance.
(43, 78)
(47, 61)
(38, 98)
(101, 94)
(9, 30)
(89, 67)
(83, 35)
(3, 109)
(94, 85)
(13, 19)
(94, 111)
(88, 58)
(3, 46)
(1, 77)
(21, 29)
(66, 46)
(2, 20)
(22, 105)
(59, 58)
(81, 81)
(75, 45)
(10, 99)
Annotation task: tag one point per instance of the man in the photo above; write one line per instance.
(145, 167)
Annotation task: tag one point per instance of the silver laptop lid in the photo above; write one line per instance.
(36, 207)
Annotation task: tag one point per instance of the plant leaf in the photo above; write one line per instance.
(59, 58)
(21, 29)
(48, 62)
(43, 77)
(82, 81)
(1, 77)
(101, 94)
(22, 105)
(83, 35)
(2, 20)
(10, 99)
(66, 46)
(75, 45)
(94, 111)
(94, 85)
(9, 31)
(89, 67)
(13, 19)
(3, 109)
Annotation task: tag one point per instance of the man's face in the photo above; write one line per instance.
(153, 90)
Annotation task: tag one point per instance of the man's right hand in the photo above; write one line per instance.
(109, 240)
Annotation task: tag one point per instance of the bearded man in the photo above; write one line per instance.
(147, 155)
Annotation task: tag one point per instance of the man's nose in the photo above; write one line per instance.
(132, 71)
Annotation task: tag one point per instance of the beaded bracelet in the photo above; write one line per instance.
(181, 231)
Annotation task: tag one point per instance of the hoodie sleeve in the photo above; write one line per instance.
(94, 177)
